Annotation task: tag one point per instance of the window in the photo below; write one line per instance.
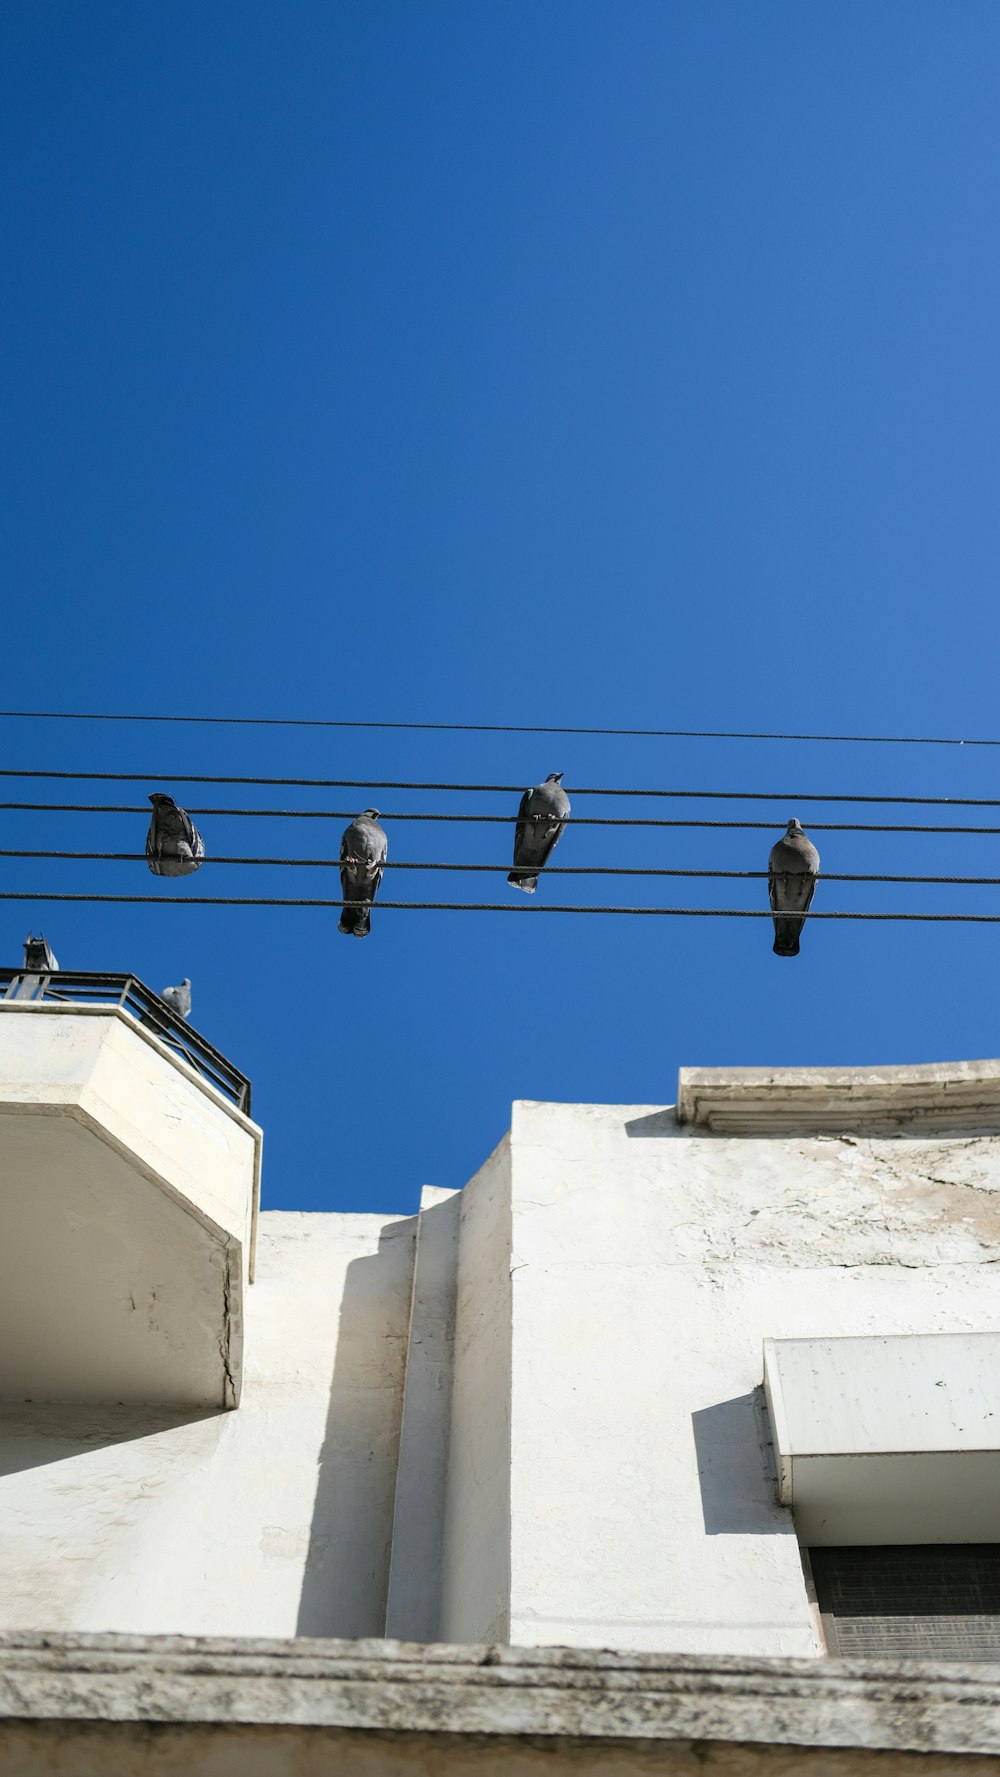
(926, 1600)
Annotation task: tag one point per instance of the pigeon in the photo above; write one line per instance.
(792, 869)
(178, 998)
(363, 852)
(541, 818)
(174, 846)
(38, 958)
(179, 1001)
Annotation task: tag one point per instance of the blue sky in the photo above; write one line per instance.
(587, 364)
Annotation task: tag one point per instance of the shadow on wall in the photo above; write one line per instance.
(346, 1578)
(656, 1124)
(32, 1436)
(414, 1609)
(736, 1469)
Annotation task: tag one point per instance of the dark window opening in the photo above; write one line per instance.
(932, 1601)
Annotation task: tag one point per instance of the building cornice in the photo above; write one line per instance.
(932, 1098)
(575, 1693)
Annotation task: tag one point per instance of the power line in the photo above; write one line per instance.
(127, 857)
(356, 783)
(496, 907)
(508, 820)
(901, 740)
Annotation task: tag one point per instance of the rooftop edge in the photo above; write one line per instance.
(931, 1096)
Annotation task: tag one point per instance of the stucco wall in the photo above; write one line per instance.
(584, 1457)
(475, 1582)
(116, 1749)
(413, 1610)
(648, 1265)
(274, 1519)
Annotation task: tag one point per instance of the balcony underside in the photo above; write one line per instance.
(128, 1194)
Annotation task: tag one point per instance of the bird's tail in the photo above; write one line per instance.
(356, 921)
(524, 879)
(786, 937)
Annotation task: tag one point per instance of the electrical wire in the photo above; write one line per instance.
(494, 907)
(508, 820)
(127, 857)
(355, 783)
(902, 740)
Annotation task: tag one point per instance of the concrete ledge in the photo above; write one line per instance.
(579, 1694)
(937, 1096)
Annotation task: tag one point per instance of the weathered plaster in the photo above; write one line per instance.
(98, 1749)
(556, 1417)
(948, 1095)
(391, 1707)
(649, 1264)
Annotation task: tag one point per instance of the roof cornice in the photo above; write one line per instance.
(934, 1097)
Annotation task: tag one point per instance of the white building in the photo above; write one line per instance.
(715, 1386)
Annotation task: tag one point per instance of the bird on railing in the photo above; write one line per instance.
(541, 818)
(179, 1001)
(174, 846)
(38, 958)
(178, 998)
(363, 851)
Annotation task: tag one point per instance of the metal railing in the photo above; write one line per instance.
(67, 987)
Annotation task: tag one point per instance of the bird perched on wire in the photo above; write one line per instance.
(792, 869)
(178, 998)
(174, 846)
(541, 818)
(363, 851)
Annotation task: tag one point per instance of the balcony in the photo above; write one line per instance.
(61, 987)
(129, 1191)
